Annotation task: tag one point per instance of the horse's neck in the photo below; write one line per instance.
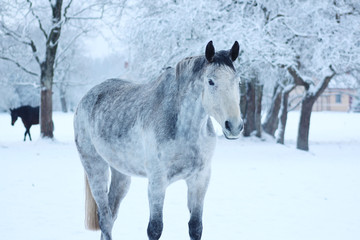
(192, 117)
(19, 114)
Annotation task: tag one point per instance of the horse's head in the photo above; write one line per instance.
(221, 97)
(14, 116)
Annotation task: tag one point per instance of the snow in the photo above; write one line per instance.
(258, 190)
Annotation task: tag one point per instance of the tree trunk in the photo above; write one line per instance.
(63, 104)
(271, 121)
(283, 114)
(47, 72)
(46, 123)
(243, 104)
(63, 98)
(304, 124)
(249, 120)
(258, 101)
(250, 107)
(312, 93)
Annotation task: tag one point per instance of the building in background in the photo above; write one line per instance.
(342, 95)
(336, 99)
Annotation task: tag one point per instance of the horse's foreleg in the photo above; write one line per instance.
(197, 187)
(156, 192)
(28, 131)
(119, 186)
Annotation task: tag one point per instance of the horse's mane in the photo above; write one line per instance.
(195, 65)
(189, 68)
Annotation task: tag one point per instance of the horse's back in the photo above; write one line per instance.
(97, 92)
(101, 98)
(29, 114)
(125, 103)
(105, 104)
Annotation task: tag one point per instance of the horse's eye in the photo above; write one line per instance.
(211, 82)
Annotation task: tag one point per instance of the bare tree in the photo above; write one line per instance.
(312, 92)
(47, 64)
(50, 28)
(271, 121)
(282, 118)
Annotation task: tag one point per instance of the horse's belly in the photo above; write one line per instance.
(127, 161)
(125, 156)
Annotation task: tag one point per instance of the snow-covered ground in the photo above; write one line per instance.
(259, 190)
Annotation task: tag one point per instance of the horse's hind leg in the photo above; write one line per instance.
(97, 172)
(28, 131)
(197, 187)
(119, 186)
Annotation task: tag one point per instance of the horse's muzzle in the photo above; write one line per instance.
(231, 131)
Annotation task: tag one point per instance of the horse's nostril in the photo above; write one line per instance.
(228, 126)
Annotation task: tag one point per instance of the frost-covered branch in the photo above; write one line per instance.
(20, 39)
(77, 15)
(66, 9)
(297, 77)
(37, 18)
(60, 57)
(34, 84)
(299, 34)
(324, 83)
(293, 99)
(19, 66)
(14, 35)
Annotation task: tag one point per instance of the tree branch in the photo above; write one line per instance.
(34, 50)
(296, 105)
(19, 66)
(297, 78)
(66, 10)
(324, 83)
(14, 35)
(37, 18)
(77, 17)
(64, 50)
(279, 15)
(298, 34)
(18, 38)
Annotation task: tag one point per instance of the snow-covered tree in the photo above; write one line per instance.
(321, 34)
(21, 21)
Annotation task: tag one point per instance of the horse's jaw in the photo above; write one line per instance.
(231, 136)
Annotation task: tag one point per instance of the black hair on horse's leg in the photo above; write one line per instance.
(29, 134)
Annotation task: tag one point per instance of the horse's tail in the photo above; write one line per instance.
(91, 217)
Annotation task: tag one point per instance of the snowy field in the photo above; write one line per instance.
(259, 190)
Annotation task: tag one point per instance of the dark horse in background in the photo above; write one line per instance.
(29, 116)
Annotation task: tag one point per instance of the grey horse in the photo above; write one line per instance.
(160, 130)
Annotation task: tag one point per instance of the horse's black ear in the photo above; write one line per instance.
(10, 109)
(234, 51)
(210, 51)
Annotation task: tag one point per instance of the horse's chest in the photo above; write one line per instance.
(187, 159)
